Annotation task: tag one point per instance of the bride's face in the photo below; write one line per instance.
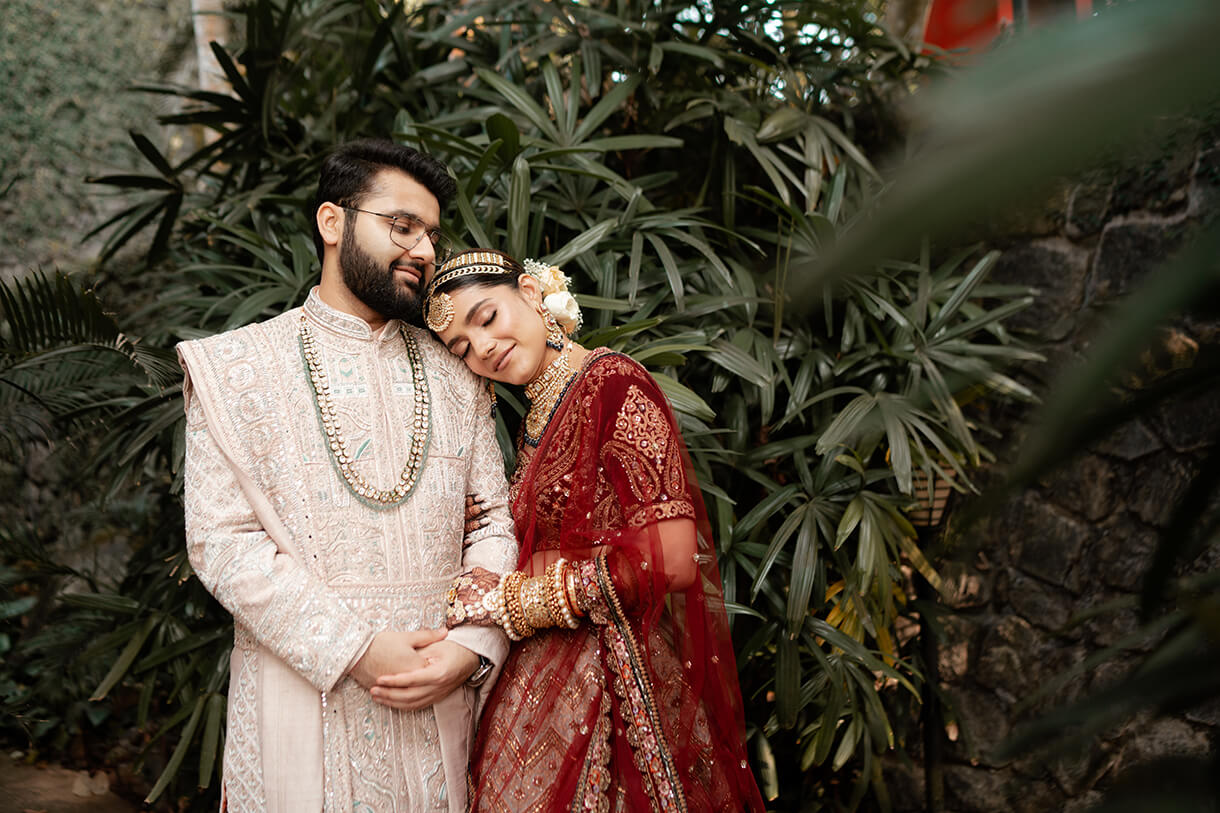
(498, 332)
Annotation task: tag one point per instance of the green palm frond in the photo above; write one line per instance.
(48, 317)
(64, 358)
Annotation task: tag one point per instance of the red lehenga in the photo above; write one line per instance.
(639, 708)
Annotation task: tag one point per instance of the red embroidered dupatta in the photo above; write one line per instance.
(639, 708)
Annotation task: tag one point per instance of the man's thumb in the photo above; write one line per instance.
(424, 637)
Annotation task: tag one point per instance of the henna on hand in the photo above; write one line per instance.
(465, 598)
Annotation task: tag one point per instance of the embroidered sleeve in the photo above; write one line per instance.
(285, 607)
(642, 482)
(493, 546)
(643, 451)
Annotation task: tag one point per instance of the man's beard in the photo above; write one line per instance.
(374, 285)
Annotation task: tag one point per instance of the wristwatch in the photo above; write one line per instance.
(479, 676)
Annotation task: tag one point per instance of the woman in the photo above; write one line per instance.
(622, 693)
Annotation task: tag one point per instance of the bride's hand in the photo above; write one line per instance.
(476, 514)
(465, 599)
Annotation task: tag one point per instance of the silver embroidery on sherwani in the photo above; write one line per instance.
(338, 570)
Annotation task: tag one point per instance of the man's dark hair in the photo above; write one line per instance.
(348, 171)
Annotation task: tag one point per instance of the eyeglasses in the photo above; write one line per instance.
(406, 232)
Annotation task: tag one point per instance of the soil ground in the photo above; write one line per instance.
(52, 789)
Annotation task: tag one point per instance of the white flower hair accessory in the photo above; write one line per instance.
(555, 296)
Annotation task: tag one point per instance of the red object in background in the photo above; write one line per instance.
(973, 24)
(970, 24)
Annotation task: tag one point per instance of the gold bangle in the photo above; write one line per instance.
(553, 583)
(570, 593)
(557, 581)
(533, 603)
(493, 602)
(512, 604)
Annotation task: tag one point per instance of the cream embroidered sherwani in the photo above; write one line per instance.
(310, 573)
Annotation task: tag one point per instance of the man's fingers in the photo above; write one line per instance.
(409, 690)
(403, 699)
(401, 680)
(418, 639)
(424, 675)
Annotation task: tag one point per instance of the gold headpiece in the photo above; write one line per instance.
(438, 307)
(438, 312)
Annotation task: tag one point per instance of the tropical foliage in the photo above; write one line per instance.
(681, 162)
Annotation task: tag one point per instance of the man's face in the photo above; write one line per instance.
(384, 276)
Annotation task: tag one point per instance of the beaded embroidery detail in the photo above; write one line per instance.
(644, 731)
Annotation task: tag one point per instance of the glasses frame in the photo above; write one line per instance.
(442, 246)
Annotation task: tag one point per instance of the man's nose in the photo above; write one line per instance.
(423, 250)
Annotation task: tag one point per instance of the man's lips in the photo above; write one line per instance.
(416, 274)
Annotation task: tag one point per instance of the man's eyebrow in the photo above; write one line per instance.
(412, 216)
(469, 315)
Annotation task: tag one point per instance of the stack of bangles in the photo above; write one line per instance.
(522, 604)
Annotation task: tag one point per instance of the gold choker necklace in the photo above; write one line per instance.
(544, 392)
(339, 451)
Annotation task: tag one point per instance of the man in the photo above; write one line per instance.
(328, 454)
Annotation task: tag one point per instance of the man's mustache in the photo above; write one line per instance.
(415, 265)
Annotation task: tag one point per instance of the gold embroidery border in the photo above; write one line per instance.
(621, 625)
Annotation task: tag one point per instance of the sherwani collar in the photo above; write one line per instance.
(345, 324)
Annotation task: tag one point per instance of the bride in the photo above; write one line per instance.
(621, 692)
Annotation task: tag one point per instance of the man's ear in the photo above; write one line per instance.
(330, 223)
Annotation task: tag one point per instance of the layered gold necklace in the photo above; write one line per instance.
(544, 393)
(340, 452)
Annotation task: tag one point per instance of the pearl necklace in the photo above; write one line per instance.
(544, 392)
(339, 451)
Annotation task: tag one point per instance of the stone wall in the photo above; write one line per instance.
(1083, 536)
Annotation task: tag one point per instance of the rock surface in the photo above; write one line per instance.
(1068, 554)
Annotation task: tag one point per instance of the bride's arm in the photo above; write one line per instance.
(672, 549)
(642, 470)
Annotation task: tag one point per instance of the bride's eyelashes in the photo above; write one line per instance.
(466, 347)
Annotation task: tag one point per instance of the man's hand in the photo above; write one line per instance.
(393, 651)
(446, 667)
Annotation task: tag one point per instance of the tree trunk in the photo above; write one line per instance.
(210, 25)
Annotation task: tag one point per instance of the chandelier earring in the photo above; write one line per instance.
(555, 337)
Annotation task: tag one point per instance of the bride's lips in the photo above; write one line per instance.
(502, 360)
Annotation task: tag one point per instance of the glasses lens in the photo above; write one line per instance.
(403, 233)
(441, 247)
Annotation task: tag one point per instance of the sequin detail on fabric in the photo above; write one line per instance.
(645, 734)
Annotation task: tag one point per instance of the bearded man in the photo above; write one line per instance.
(329, 452)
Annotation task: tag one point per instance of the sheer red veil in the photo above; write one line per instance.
(611, 476)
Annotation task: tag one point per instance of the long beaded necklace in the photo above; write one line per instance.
(340, 453)
(544, 393)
